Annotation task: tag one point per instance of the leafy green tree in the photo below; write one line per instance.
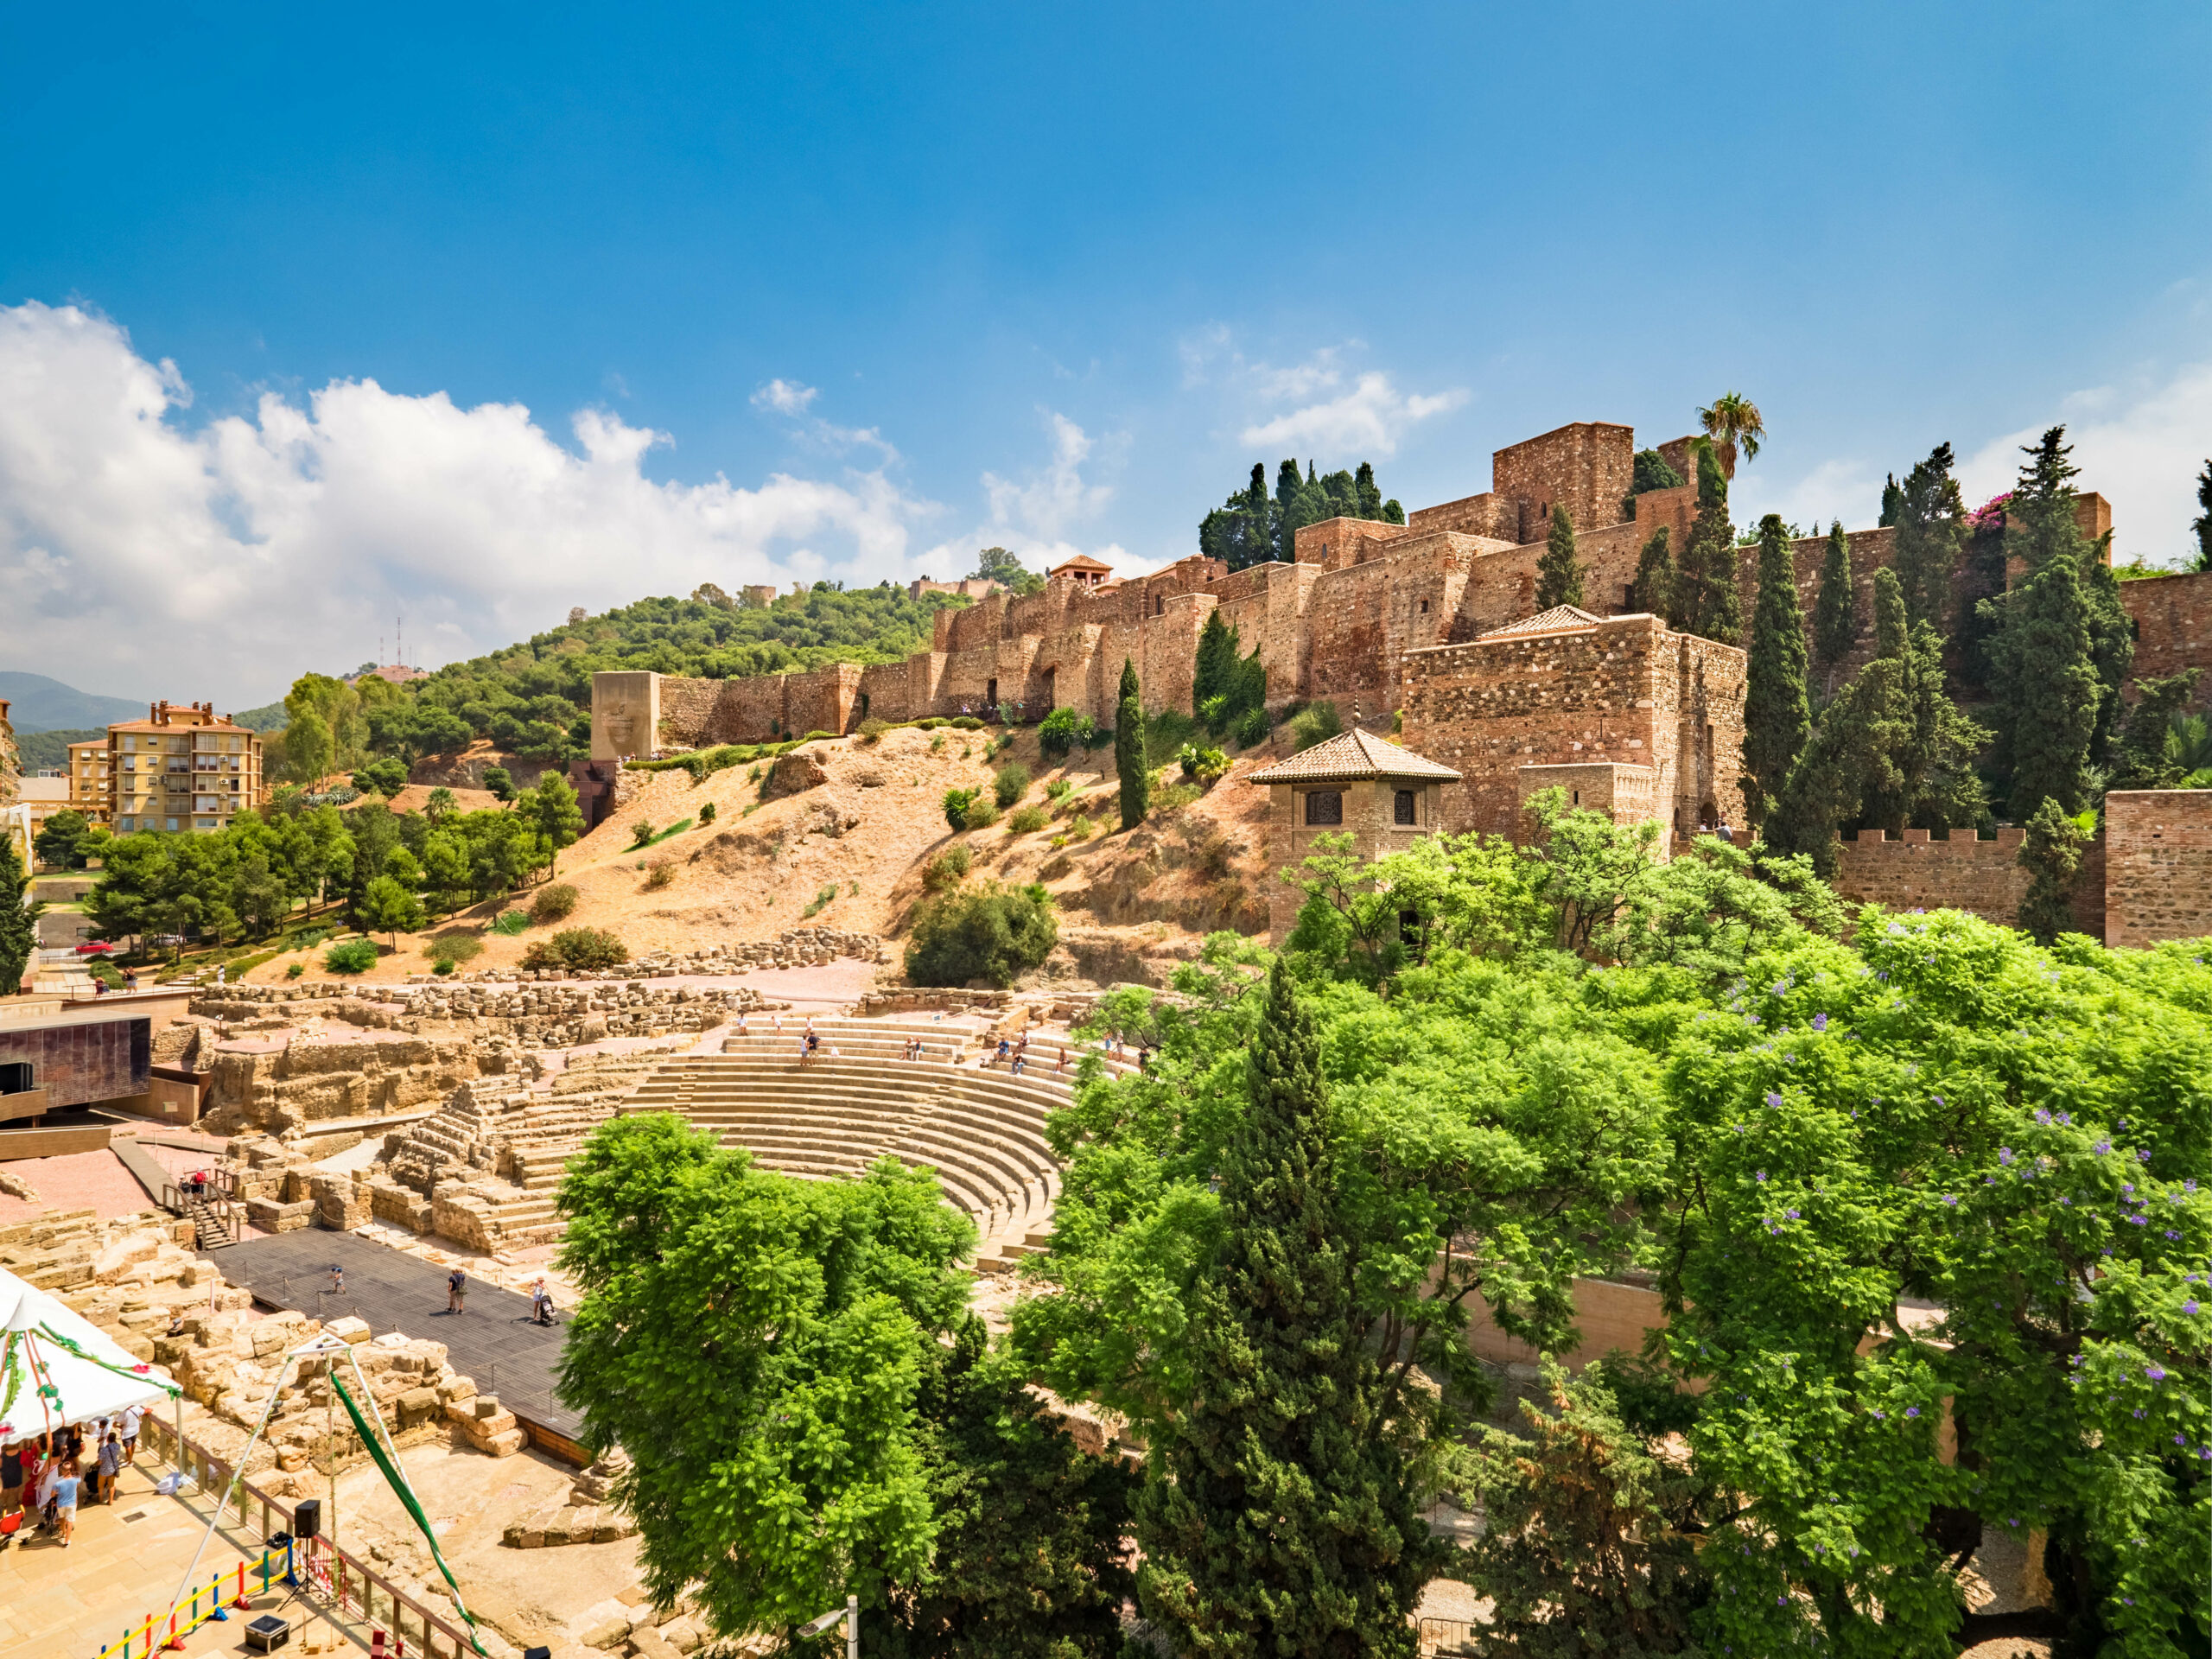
(1931, 523)
(64, 840)
(386, 777)
(1583, 1551)
(1655, 574)
(2047, 691)
(2146, 755)
(1241, 532)
(988, 933)
(388, 907)
(1892, 501)
(501, 782)
(18, 919)
(552, 807)
(1649, 471)
(2050, 852)
(440, 806)
(1225, 686)
(260, 896)
(1027, 1563)
(1559, 572)
(1836, 608)
(997, 564)
(1703, 598)
(1280, 1511)
(767, 1338)
(446, 870)
(1777, 717)
(127, 902)
(1128, 750)
(2203, 522)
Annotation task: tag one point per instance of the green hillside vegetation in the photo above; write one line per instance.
(41, 750)
(534, 699)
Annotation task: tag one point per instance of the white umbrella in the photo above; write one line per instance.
(56, 1369)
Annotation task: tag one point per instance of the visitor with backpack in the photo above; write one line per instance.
(456, 1290)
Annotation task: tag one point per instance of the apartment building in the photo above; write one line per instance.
(88, 780)
(181, 768)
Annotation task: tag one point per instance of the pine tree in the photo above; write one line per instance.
(1892, 502)
(1836, 608)
(2047, 691)
(1704, 600)
(1560, 579)
(1655, 574)
(1932, 523)
(18, 920)
(1128, 750)
(2050, 852)
(1776, 716)
(2203, 522)
(1278, 1515)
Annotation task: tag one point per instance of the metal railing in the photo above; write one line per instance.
(346, 1585)
(1448, 1638)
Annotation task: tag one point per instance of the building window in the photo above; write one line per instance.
(1325, 806)
(1159, 605)
(1424, 607)
(1402, 808)
(991, 694)
(14, 1076)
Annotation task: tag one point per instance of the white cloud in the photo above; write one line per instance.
(138, 558)
(1849, 489)
(1366, 420)
(2142, 447)
(1033, 517)
(792, 399)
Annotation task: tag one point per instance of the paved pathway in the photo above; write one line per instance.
(494, 1341)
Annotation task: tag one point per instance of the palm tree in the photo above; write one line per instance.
(1733, 419)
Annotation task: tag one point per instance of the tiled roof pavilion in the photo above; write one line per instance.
(1354, 756)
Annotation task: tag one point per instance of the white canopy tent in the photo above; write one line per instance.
(56, 1369)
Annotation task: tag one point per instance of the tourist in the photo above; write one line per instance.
(457, 1290)
(65, 1502)
(111, 1466)
(741, 1024)
(131, 1419)
(49, 1473)
(337, 1279)
(131, 979)
(1062, 1065)
(541, 1302)
(1005, 1048)
(11, 1479)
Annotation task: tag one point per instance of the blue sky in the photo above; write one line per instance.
(850, 291)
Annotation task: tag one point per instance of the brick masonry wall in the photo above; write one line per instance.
(2173, 628)
(1336, 543)
(1586, 467)
(2158, 864)
(1370, 816)
(1628, 690)
(1986, 878)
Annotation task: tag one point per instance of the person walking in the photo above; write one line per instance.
(111, 1466)
(541, 1302)
(456, 1290)
(337, 1279)
(131, 1419)
(66, 1486)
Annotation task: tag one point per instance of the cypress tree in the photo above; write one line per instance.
(2047, 692)
(1655, 574)
(1776, 716)
(1214, 666)
(2050, 852)
(1705, 602)
(18, 921)
(1278, 1513)
(2203, 522)
(1931, 521)
(1560, 578)
(1836, 608)
(1128, 750)
(1914, 757)
(1371, 497)
(1892, 501)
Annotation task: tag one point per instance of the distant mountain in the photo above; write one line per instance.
(270, 717)
(38, 704)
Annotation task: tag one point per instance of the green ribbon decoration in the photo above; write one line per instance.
(396, 1480)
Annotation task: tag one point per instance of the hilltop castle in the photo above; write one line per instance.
(1434, 618)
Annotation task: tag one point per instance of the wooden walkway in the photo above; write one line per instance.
(493, 1341)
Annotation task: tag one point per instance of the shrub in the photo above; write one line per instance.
(1006, 714)
(937, 744)
(948, 869)
(553, 904)
(1251, 727)
(577, 947)
(1205, 766)
(355, 956)
(1166, 803)
(1165, 734)
(454, 947)
(295, 970)
(958, 804)
(983, 814)
(1080, 827)
(509, 923)
(1058, 731)
(1011, 783)
(442, 965)
(821, 900)
(1058, 790)
(928, 723)
(965, 723)
(641, 832)
(660, 874)
(871, 729)
(707, 813)
(992, 933)
(1026, 821)
(1315, 723)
